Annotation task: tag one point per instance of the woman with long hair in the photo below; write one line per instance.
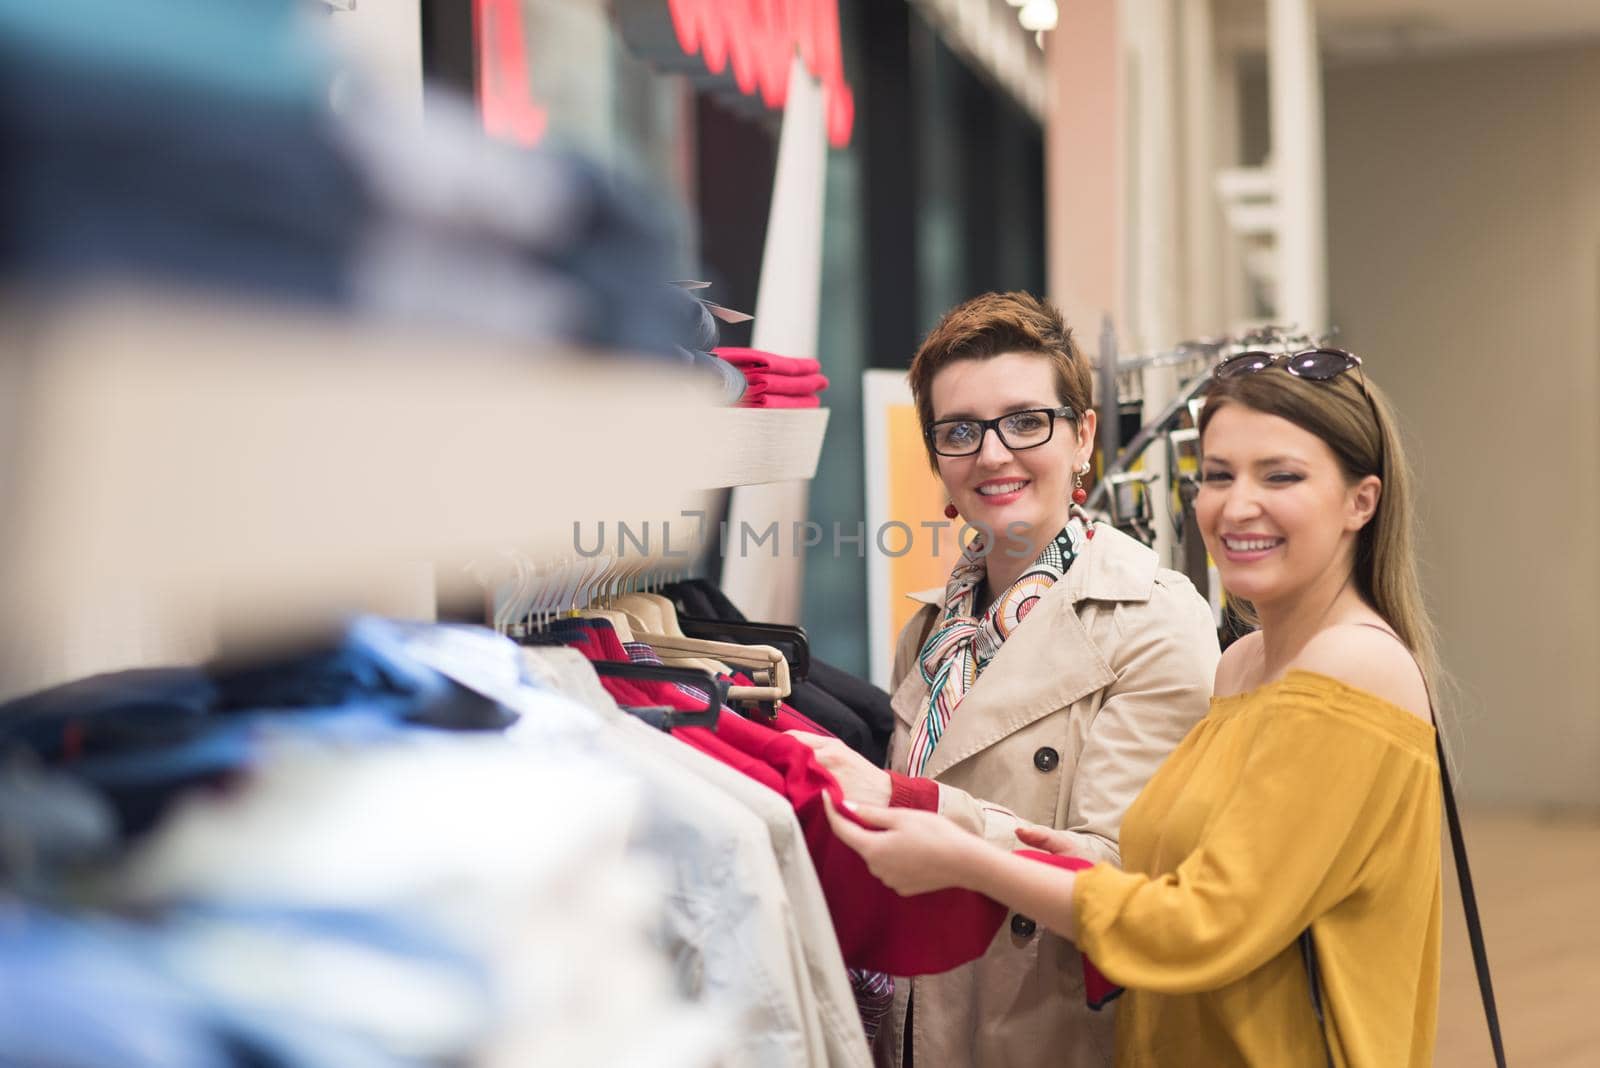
(1295, 831)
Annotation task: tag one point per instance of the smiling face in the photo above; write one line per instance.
(1276, 510)
(995, 486)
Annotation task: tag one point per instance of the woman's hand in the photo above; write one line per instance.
(910, 851)
(857, 777)
(1044, 839)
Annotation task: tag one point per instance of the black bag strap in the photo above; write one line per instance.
(1469, 904)
(1308, 953)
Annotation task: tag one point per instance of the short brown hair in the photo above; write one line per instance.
(992, 325)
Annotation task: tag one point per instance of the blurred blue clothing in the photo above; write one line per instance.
(255, 50)
(97, 992)
(49, 822)
(172, 140)
(191, 143)
(85, 994)
(139, 737)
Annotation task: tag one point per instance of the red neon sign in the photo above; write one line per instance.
(754, 40)
(504, 93)
(758, 40)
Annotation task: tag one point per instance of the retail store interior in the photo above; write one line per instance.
(401, 401)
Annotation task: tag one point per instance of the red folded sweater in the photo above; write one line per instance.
(791, 385)
(768, 363)
(778, 400)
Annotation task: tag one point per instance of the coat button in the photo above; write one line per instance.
(1046, 759)
(1023, 927)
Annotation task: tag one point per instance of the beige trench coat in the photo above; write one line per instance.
(1079, 707)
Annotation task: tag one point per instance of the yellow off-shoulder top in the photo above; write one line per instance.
(1303, 803)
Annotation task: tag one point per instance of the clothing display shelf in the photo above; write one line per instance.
(757, 445)
(177, 454)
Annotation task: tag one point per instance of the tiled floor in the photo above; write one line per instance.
(1538, 884)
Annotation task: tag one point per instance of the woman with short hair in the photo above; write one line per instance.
(1043, 685)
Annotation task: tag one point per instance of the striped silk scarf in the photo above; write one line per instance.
(962, 645)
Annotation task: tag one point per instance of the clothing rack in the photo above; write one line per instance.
(1185, 402)
(1153, 504)
(1122, 378)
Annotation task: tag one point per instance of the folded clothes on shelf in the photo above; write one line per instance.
(777, 381)
(193, 147)
(768, 363)
(778, 400)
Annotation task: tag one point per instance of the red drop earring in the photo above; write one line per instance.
(1079, 497)
(950, 511)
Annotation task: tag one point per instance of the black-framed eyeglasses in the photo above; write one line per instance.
(1027, 429)
(1313, 365)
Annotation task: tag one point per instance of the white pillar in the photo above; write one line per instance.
(1227, 142)
(1294, 76)
(1156, 172)
(1203, 306)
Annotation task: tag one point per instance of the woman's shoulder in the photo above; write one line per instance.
(1371, 659)
(1242, 655)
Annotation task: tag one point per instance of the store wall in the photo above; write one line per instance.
(1464, 233)
(1084, 166)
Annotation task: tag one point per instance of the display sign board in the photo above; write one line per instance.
(910, 544)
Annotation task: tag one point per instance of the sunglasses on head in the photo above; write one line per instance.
(1313, 365)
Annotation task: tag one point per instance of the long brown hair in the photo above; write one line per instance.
(1360, 429)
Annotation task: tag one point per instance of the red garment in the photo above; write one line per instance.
(774, 381)
(791, 385)
(878, 929)
(913, 791)
(786, 717)
(778, 400)
(1098, 991)
(602, 643)
(713, 746)
(769, 363)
